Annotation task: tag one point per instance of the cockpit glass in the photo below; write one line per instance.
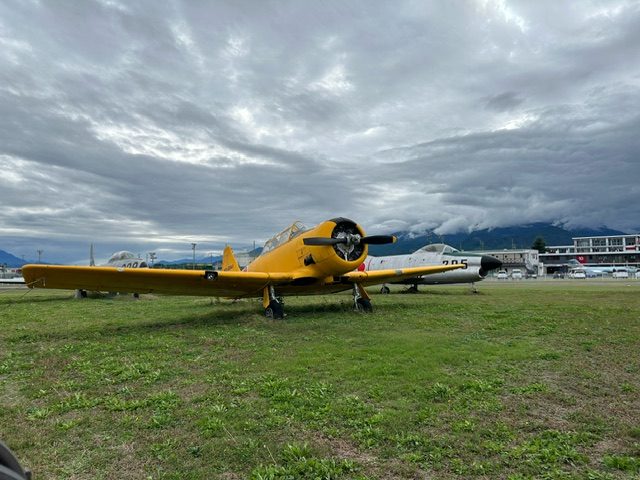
(123, 255)
(284, 236)
(438, 248)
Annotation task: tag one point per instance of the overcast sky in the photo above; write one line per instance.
(150, 125)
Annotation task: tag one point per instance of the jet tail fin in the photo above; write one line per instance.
(229, 262)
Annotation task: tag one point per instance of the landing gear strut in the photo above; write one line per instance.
(273, 306)
(412, 289)
(361, 300)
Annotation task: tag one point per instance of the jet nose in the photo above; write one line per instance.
(488, 263)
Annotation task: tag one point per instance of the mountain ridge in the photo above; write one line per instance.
(519, 237)
(11, 260)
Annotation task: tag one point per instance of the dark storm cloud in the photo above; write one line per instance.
(149, 126)
(504, 101)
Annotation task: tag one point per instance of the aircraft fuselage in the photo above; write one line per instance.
(475, 266)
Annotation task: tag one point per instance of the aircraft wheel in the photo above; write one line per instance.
(385, 289)
(10, 468)
(364, 305)
(274, 310)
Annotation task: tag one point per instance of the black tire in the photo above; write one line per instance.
(8, 474)
(9, 466)
(385, 290)
(274, 310)
(364, 305)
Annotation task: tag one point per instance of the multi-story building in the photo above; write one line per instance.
(609, 250)
(526, 260)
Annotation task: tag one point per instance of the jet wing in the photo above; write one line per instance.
(375, 277)
(147, 280)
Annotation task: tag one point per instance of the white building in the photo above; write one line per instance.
(521, 259)
(606, 250)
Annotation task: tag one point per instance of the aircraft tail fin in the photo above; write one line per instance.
(229, 262)
(92, 262)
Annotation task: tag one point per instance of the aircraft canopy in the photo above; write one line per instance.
(438, 248)
(284, 236)
(122, 255)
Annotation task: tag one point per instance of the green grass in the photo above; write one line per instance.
(537, 380)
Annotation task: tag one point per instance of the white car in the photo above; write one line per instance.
(620, 274)
(579, 274)
(516, 274)
(502, 275)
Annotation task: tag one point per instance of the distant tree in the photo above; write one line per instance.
(539, 245)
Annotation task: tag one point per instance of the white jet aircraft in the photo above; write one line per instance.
(476, 265)
(598, 271)
(122, 259)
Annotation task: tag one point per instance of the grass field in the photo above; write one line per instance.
(535, 380)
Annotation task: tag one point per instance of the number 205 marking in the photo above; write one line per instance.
(464, 262)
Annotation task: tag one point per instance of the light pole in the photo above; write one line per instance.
(193, 246)
(152, 257)
(39, 255)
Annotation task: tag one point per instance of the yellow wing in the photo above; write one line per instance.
(148, 280)
(375, 277)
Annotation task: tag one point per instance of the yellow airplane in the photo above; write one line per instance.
(296, 261)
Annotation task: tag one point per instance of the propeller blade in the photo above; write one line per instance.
(378, 239)
(323, 241)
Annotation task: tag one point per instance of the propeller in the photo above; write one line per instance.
(317, 241)
(379, 239)
(347, 240)
(350, 239)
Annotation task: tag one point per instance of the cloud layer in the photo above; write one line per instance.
(150, 126)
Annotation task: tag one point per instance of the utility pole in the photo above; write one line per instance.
(40, 252)
(193, 246)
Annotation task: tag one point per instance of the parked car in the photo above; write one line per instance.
(620, 274)
(578, 274)
(502, 275)
(516, 274)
